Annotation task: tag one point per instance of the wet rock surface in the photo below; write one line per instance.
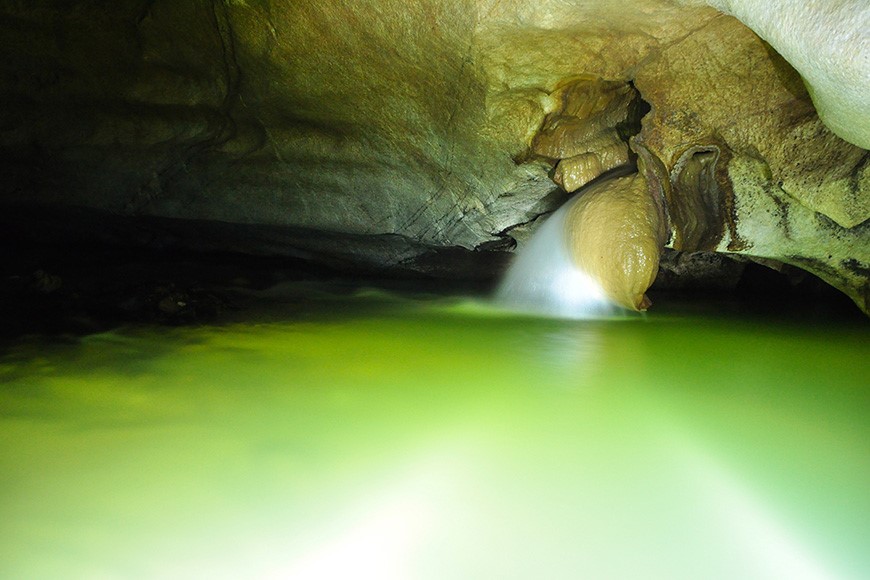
(616, 235)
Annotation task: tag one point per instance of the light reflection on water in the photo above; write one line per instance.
(368, 436)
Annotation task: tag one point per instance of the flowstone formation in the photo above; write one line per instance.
(588, 135)
(621, 215)
(424, 137)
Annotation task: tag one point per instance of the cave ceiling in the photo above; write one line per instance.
(425, 125)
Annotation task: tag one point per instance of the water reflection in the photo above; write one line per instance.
(571, 352)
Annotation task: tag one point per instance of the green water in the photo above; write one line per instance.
(370, 436)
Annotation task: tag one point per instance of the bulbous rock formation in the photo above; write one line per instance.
(616, 232)
(421, 137)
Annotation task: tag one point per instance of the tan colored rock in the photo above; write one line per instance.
(587, 135)
(590, 109)
(722, 86)
(574, 172)
(828, 44)
(616, 234)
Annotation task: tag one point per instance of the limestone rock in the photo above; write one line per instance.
(829, 45)
(588, 134)
(575, 172)
(698, 271)
(749, 167)
(616, 233)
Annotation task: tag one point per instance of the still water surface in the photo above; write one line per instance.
(368, 435)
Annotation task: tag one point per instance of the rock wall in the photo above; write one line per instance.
(413, 124)
(747, 165)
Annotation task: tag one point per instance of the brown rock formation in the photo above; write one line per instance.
(616, 233)
(588, 135)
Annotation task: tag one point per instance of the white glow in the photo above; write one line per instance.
(384, 532)
(762, 542)
(765, 541)
(379, 545)
(544, 279)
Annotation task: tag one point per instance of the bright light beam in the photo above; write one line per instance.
(768, 548)
(383, 539)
